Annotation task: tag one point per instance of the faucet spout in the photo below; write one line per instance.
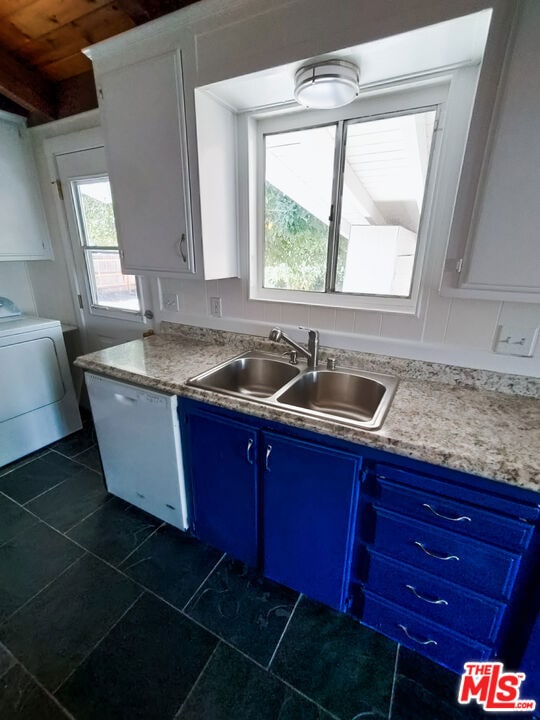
(312, 352)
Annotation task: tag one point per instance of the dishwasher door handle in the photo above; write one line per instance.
(125, 399)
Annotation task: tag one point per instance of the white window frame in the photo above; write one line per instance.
(452, 94)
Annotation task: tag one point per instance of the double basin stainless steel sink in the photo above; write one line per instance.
(343, 395)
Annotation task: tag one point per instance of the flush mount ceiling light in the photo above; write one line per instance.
(327, 84)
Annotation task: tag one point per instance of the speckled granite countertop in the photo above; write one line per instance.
(479, 431)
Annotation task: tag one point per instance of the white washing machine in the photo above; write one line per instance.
(37, 401)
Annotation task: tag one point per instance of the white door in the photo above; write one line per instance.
(114, 307)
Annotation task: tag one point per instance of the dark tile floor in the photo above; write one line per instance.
(107, 613)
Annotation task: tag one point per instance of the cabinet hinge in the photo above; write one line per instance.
(459, 265)
(79, 298)
(58, 184)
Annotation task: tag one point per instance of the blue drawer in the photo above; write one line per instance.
(443, 512)
(491, 501)
(435, 599)
(417, 633)
(450, 556)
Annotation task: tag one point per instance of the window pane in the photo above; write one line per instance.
(110, 288)
(386, 163)
(298, 191)
(96, 212)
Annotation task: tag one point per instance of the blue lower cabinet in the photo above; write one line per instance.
(309, 509)
(442, 562)
(222, 469)
(530, 665)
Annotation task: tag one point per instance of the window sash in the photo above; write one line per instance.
(379, 104)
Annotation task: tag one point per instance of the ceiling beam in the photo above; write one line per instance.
(136, 10)
(26, 87)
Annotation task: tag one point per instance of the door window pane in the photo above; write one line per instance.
(109, 287)
(298, 196)
(96, 212)
(384, 178)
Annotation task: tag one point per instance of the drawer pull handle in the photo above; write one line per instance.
(429, 641)
(434, 555)
(462, 518)
(248, 451)
(267, 458)
(415, 592)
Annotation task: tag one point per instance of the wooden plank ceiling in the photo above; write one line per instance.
(42, 68)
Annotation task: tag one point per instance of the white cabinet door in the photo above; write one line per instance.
(142, 107)
(23, 232)
(504, 254)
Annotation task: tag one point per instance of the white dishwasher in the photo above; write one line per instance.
(139, 441)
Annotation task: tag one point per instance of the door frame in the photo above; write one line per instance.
(72, 142)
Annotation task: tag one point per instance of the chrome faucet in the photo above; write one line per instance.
(312, 352)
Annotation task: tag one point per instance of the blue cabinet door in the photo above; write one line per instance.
(222, 470)
(309, 509)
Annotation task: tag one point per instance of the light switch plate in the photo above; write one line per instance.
(512, 340)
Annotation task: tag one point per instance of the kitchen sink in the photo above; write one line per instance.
(344, 395)
(334, 392)
(253, 374)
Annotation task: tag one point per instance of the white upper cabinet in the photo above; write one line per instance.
(142, 107)
(23, 227)
(503, 253)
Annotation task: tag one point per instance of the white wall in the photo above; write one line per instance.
(449, 330)
(15, 284)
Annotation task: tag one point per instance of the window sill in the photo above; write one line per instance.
(404, 306)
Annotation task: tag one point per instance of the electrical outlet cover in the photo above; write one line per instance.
(516, 341)
(215, 306)
(169, 302)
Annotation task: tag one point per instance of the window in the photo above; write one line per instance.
(109, 288)
(343, 200)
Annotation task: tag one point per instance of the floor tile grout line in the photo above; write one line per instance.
(141, 544)
(302, 694)
(9, 618)
(199, 676)
(94, 511)
(184, 613)
(152, 592)
(98, 643)
(284, 630)
(27, 502)
(222, 639)
(394, 676)
(72, 457)
(21, 464)
(41, 494)
(90, 553)
(192, 597)
(39, 684)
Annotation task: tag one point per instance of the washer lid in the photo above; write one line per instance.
(23, 324)
(8, 308)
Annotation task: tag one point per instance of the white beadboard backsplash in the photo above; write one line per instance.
(454, 331)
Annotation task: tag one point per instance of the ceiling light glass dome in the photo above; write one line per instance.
(327, 84)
